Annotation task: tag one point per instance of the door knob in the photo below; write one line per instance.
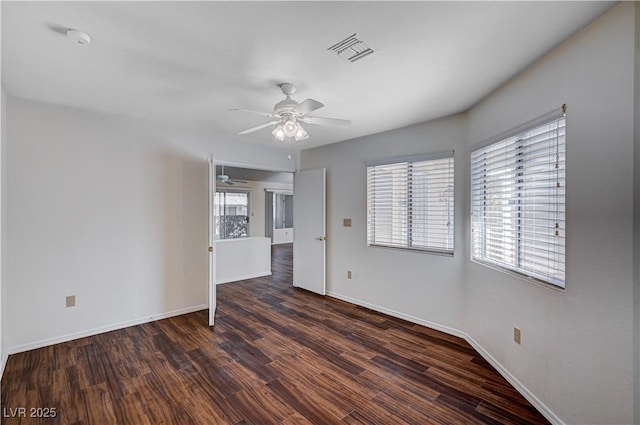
(321, 238)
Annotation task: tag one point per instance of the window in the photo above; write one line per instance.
(410, 203)
(232, 215)
(518, 201)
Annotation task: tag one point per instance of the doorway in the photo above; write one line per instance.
(279, 216)
(248, 194)
(238, 248)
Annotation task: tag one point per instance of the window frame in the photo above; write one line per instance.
(409, 246)
(219, 218)
(518, 271)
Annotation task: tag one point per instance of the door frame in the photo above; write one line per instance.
(211, 191)
(211, 186)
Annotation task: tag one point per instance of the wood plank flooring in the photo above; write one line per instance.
(277, 355)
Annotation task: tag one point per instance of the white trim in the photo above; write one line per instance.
(524, 391)
(254, 166)
(3, 363)
(279, 191)
(245, 277)
(233, 189)
(519, 386)
(91, 332)
(407, 317)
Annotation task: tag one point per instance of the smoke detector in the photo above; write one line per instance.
(79, 37)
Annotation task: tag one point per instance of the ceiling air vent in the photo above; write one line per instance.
(351, 49)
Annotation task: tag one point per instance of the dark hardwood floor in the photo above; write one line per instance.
(277, 355)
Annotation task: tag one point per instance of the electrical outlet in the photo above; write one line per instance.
(346, 222)
(516, 335)
(348, 274)
(71, 301)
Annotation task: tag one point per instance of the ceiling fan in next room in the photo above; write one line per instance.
(223, 178)
(288, 115)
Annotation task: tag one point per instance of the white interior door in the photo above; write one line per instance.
(309, 202)
(212, 240)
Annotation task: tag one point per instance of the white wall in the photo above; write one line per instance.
(242, 258)
(109, 209)
(424, 286)
(3, 139)
(576, 357)
(285, 235)
(257, 227)
(576, 353)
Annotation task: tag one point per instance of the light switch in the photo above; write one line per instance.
(346, 222)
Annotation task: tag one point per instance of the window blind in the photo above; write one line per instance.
(410, 203)
(518, 202)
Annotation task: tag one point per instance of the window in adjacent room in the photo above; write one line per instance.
(410, 203)
(232, 214)
(518, 201)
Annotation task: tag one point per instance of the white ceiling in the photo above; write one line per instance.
(189, 62)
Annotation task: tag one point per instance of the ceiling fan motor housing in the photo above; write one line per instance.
(285, 107)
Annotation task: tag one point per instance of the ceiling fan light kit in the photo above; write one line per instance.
(290, 128)
(301, 134)
(289, 114)
(278, 133)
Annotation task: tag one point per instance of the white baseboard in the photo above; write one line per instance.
(408, 318)
(90, 332)
(245, 277)
(535, 401)
(526, 393)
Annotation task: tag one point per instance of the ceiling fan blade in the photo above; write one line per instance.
(266, 114)
(258, 127)
(326, 121)
(307, 106)
(238, 181)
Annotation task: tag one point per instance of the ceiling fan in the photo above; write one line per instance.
(223, 178)
(288, 114)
